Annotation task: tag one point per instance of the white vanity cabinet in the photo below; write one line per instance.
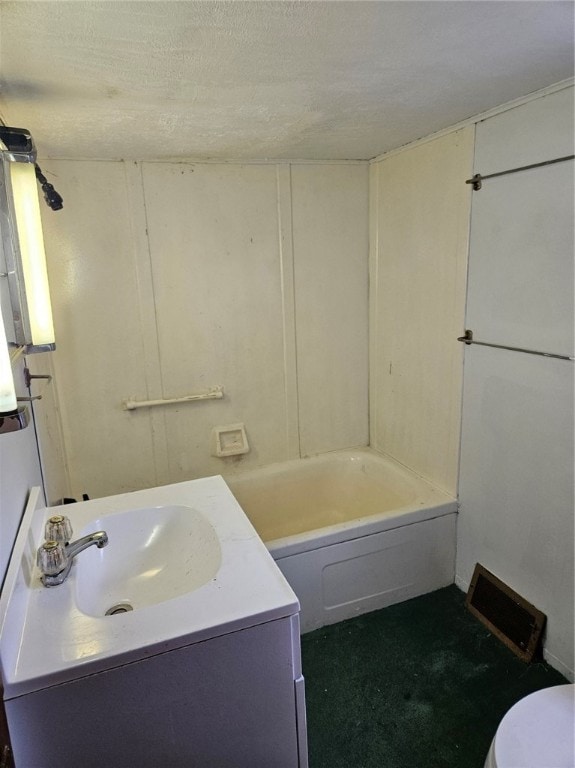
(203, 672)
(235, 700)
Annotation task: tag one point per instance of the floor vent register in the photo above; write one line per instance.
(509, 616)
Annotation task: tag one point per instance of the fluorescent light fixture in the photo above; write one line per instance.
(32, 255)
(23, 241)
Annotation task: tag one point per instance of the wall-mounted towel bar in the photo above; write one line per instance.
(478, 178)
(468, 339)
(215, 393)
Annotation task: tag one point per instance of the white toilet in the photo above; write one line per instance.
(537, 732)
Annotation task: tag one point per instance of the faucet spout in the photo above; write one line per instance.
(53, 555)
(99, 539)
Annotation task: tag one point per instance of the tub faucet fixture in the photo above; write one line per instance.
(55, 558)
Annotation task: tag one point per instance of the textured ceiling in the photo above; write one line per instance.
(317, 80)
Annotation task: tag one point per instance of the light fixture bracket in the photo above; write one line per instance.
(18, 144)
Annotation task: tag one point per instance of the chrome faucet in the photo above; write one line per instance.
(56, 555)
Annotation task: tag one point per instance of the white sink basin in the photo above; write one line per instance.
(153, 554)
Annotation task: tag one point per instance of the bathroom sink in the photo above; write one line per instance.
(153, 554)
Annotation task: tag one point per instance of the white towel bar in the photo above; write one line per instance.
(215, 393)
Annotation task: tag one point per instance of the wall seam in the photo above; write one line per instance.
(289, 325)
(148, 320)
(373, 302)
(468, 251)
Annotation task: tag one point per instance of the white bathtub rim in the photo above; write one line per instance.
(358, 528)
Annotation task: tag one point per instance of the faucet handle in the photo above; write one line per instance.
(58, 528)
(51, 557)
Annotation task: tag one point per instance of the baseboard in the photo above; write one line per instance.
(462, 584)
(557, 664)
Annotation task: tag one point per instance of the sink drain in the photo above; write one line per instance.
(119, 608)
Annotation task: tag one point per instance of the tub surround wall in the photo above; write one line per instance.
(331, 306)
(170, 278)
(100, 358)
(214, 254)
(419, 221)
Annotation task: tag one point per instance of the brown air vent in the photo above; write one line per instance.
(509, 616)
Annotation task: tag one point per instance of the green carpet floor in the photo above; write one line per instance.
(421, 684)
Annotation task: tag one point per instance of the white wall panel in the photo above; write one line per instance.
(330, 234)
(99, 357)
(419, 261)
(214, 245)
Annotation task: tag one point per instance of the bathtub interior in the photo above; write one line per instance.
(295, 497)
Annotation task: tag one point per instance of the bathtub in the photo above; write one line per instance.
(352, 531)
